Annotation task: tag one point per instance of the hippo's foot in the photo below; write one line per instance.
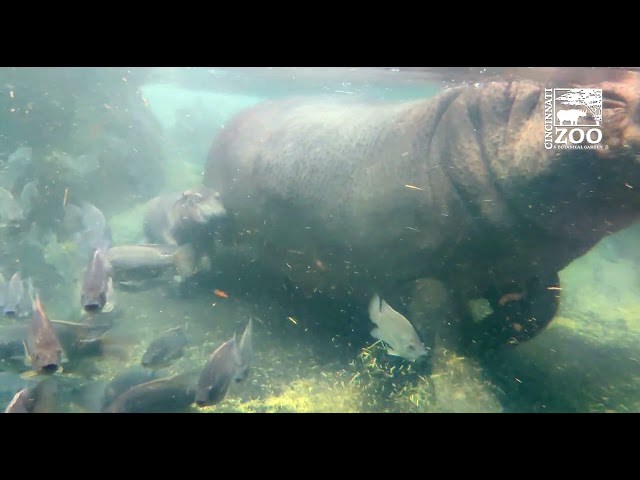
(518, 314)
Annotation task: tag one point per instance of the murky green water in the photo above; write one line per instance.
(309, 355)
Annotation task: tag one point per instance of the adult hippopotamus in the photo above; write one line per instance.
(349, 198)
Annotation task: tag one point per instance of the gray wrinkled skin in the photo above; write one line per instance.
(328, 178)
(171, 218)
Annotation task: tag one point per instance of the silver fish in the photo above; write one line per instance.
(167, 347)
(395, 330)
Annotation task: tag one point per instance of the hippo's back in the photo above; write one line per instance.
(332, 179)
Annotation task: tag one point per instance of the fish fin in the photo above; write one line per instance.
(374, 308)
(65, 322)
(29, 374)
(185, 262)
(172, 329)
(384, 307)
(375, 333)
(246, 347)
(111, 297)
(392, 352)
(27, 357)
(60, 369)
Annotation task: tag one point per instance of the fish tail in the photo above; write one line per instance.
(34, 294)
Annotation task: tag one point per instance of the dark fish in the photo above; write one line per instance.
(22, 402)
(37, 399)
(220, 371)
(83, 339)
(90, 227)
(42, 344)
(230, 362)
(97, 285)
(164, 395)
(14, 295)
(147, 261)
(166, 348)
(125, 380)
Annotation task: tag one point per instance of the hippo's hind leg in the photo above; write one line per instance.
(519, 313)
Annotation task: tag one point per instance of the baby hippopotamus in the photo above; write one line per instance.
(191, 216)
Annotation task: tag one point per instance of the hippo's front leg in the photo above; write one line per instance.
(459, 383)
(519, 313)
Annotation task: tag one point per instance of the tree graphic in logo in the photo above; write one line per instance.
(589, 98)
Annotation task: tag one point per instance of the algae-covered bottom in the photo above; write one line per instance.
(587, 360)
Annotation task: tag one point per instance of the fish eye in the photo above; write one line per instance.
(37, 356)
(411, 347)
